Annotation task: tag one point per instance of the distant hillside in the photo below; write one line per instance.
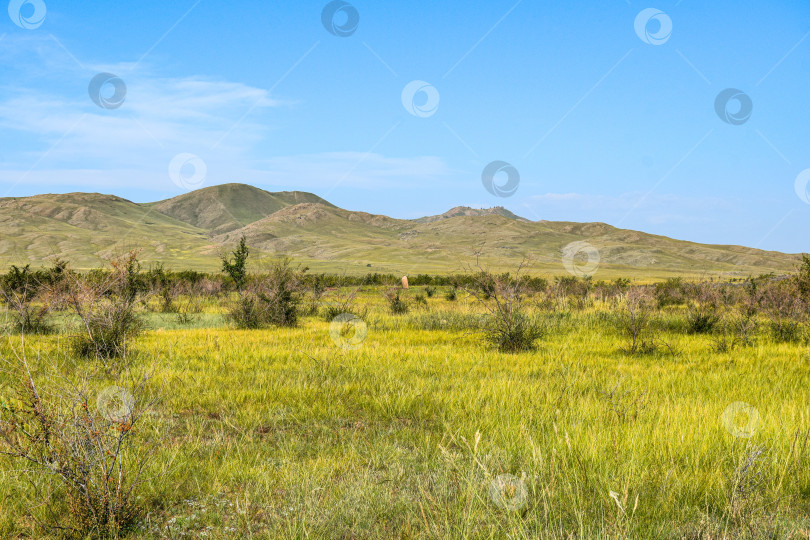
(467, 211)
(192, 230)
(226, 207)
(87, 228)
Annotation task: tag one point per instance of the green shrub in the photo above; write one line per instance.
(507, 327)
(396, 305)
(93, 445)
(282, 292)
(572, 286)
(787, 330)
(633, 318)
(109, 328)
(246, 313)
(105, 307)
(701, 318)
(343, 304)
(786, 311)
(274, 299)
(513, 332)
(736, 328)
(670, 292)
(19, 289)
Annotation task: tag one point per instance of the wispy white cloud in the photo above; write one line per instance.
(159, 115)
(51, 124)
(62, 140)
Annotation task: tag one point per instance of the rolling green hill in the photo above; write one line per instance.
(87, 228)
(191, 230)
(227, 207)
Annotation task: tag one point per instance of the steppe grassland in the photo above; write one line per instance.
(280, 433)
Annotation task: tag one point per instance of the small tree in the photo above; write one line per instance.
(803, 279)
(245, 313)
(236, 266)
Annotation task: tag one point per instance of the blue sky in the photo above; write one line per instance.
(600, 124)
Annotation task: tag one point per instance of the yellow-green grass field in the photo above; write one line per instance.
(281, 433)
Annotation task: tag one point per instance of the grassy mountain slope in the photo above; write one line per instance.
(86, 228)
(189, 231)
(226, 207)
(332, 237)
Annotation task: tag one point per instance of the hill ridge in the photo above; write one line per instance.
(192, 229)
